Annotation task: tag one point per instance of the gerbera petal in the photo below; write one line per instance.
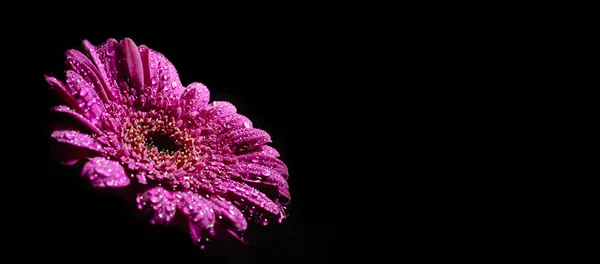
(105, 173)
(201, 212)
(233, 122)
(264, 165)
(61, 89)
(256, 172)
(246, 195)
(195, 97)
(106, 57)
(159, 203)
(77, 139)
(218, 109)
(197, 207)
(199, 232)
(244, 139)
(134, 62)
(81, 119)
(164, 76)
(224, 115)
(226, 209)
(281, 192)
(79, 63)
(267, 174)
(86, 98)
(265, 150)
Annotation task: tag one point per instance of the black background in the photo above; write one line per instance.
(304, 78)
(381, 113)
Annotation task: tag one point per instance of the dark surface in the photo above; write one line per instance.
(379, 112)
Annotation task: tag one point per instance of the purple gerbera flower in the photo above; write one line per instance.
(188, 159)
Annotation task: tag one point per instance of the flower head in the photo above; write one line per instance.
(139, 125)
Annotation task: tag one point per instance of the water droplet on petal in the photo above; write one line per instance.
(83, 92)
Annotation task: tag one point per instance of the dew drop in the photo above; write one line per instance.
(69, 135)
(83, 92)
(265, 222)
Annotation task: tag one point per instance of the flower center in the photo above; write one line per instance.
(163, 142)
(158, 139)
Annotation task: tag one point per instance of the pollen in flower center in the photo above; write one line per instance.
(158, 139)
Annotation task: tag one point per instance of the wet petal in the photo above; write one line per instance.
(159, 203)
(164, 76)
(226, 209)
(77, 139)
(105, 173)
(232, 122)
(196, 97)
(257, 172)
(61, 89)
(199, 233)
(248, 196)
(218, 109)
(81, 119)
(201, 212)
(84, 94)
(106, 57)
(197, 207)
(243, 139)
(134, 62)
(264, 165)
(79, 63)
(271, 189)
(264, 150)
